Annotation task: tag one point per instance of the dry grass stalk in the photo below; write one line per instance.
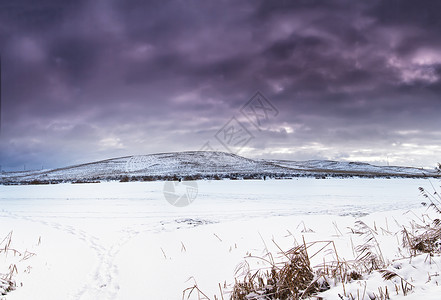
(369, 253)
(405, 285)
(425, 238)
(7, 284)
(190, 290)
(294, 279)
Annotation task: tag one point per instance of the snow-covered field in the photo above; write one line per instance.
(125, 241)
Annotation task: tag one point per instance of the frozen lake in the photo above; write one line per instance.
(215, 201)
(104, 241)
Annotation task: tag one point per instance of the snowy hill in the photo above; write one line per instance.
(351, 167)
(204, 164)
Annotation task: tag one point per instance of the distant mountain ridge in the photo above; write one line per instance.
(205, 165)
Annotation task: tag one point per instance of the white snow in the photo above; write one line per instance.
(125, 241)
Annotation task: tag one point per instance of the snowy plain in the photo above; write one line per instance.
(116, 240)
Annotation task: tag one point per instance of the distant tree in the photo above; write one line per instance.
(125, 179)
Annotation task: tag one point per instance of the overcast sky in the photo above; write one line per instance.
(343, 80)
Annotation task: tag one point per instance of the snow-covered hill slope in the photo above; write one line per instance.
(205, 164)
(357, 167)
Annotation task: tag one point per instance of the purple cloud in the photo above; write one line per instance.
(86, 80)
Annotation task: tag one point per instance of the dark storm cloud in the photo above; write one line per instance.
(86, 80)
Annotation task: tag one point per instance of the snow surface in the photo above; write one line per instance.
(125, 241)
